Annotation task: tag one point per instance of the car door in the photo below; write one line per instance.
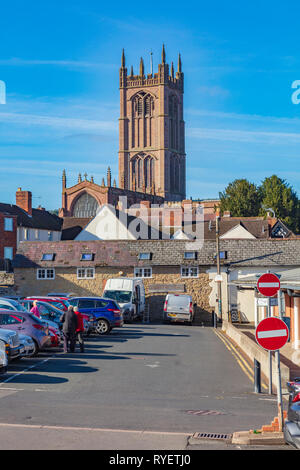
(13, 321)
(87, 306)
(101, 309)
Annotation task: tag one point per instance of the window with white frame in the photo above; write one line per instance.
(45, 273)
(85, 273)
(8, 224)
(37, 234)
(143, 272)
(189, 271)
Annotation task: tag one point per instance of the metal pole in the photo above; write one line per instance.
(279, 393)
(280, 312)
(257, 377)
(270, 352)
(218, 267)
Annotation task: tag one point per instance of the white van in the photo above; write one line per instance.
(129, 293)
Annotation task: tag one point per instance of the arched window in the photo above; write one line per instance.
(85, 206)
(142, 168)
(173, 121)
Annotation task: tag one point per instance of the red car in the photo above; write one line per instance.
(55, 338)
(60, 303)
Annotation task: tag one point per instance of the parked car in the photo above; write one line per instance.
(291, 429)
(12, 344)
(62, 304)
(63, 295)
(27, 344)
(129, 293)
(179, 308)
(104, 314)
(28, 324)
(11, 304)
(3, 358)
(52, 314)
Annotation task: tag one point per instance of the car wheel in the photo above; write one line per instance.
(103, 327)
(36, 349)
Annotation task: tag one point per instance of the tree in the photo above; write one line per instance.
(278, 195)
(241, 198)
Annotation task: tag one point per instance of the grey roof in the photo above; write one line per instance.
(268, 252)
(40, 219)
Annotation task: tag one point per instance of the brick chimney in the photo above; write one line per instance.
(24, 200)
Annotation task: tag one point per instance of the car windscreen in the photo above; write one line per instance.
(36, 319)
(120, 296)
(18, 306)
(178, 300)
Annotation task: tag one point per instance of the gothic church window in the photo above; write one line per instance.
(85, 206)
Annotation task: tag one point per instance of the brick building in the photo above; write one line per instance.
(8, 239)
(152, 161)
(21, 222)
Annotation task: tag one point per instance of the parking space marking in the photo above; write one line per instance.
(9, 379)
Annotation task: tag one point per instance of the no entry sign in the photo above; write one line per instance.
(268, 284)
(272, 333)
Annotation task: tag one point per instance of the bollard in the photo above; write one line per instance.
(213, 319)
(257, 377)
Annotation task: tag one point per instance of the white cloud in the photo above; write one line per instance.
(243, 136)
(58, 122)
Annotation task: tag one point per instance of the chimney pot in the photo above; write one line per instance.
(24, 200)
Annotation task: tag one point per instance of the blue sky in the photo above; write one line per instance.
(60, 63)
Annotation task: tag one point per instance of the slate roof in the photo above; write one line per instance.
(40, 219)
(72, 226)
(122, 253)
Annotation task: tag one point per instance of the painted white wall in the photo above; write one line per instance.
(36, 235)
(105, 226)
(237, 232)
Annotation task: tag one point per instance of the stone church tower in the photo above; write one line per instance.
(151, 131)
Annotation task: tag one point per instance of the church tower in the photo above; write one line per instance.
(151, 130)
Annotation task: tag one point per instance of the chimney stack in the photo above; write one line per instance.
(24, 200)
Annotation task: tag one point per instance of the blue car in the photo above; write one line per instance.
(104, 314)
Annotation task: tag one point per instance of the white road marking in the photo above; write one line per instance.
(23, 371)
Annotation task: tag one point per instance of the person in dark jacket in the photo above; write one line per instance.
(69, 321)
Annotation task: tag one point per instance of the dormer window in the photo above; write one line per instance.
(48, 257)
(190, 255)
(145, 256)
(87, 257)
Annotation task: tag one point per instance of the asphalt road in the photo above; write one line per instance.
(171, 380)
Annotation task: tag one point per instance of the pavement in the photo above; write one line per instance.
(289, 357)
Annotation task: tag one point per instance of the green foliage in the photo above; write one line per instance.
(241, 198)
(245, 199)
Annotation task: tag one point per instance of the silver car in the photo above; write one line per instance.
(179, 308)
(3, 358)
(27, 344)
(11, 342)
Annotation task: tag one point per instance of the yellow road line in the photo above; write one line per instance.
(240, 360)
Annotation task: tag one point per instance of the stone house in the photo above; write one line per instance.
(166, 266)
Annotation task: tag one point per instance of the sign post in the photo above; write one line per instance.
(272, 334)
(268, 285)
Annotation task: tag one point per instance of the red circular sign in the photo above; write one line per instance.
(272, 333)
(268, 284)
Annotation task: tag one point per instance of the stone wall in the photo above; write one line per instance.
(66, 281)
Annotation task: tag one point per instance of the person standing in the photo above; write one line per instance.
(35, 310)
(80, 329)
(69, 321)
